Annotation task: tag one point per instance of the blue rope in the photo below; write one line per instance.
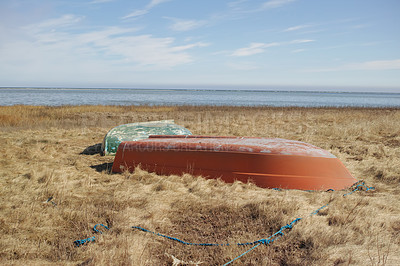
(178, 240)
(265, 241)
(317, 210)
(356, 186)
(90, 239)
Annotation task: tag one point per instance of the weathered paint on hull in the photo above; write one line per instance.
(139, 131)
(268, 163)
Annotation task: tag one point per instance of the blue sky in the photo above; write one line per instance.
(298, 44)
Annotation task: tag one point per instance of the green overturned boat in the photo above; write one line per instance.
(138, 131)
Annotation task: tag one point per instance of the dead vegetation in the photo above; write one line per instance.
(53, 193)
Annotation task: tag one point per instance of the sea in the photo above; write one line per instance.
(217, 97)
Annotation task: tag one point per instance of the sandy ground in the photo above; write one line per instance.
(53, 191)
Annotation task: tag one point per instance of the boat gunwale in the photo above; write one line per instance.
(161, 143)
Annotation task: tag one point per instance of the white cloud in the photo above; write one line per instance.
(190, 46)
(257, 48)
(298, 27)
(53, 24)
(141, 12)
(42, 52)
(185, 25)
(302, 41)
(276, 3)
(154, 3)
(136, 13)
(145, 50)
(96, 36)
(254, 48)
(237, 5)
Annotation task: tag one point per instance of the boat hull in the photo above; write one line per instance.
(273, 169)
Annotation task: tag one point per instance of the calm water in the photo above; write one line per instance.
(57, 97)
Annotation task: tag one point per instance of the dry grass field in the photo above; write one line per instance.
(47, 152)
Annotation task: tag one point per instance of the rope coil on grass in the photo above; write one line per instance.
(90, 239)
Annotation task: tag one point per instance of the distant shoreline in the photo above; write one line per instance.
(105, 108)
(194, 97)
(204, 89)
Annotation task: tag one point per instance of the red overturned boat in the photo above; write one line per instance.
(267, 162)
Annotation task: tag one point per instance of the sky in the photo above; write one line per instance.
(268, 44)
